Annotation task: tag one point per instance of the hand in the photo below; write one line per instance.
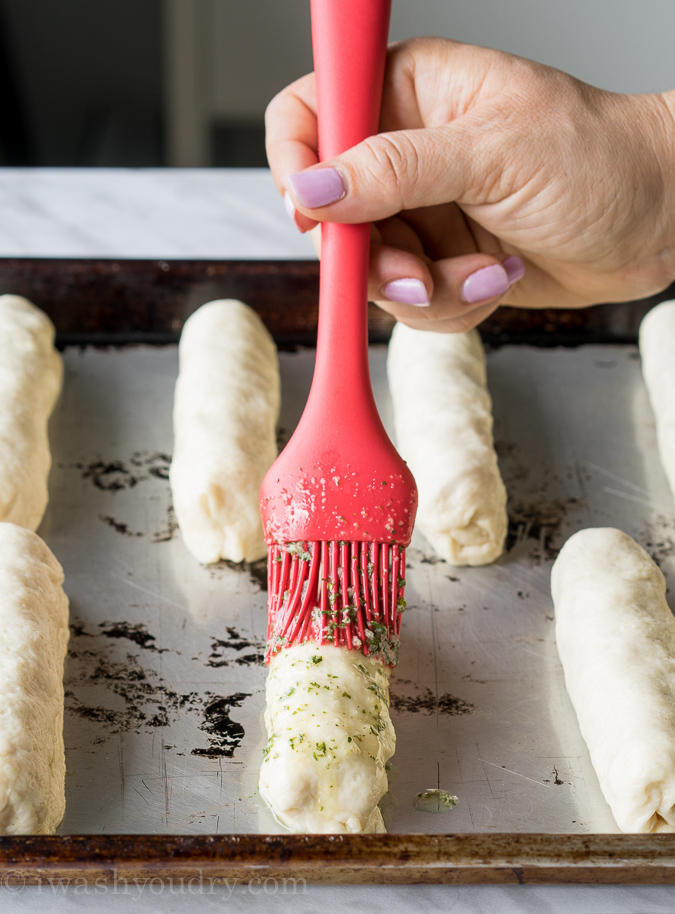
(494, 180)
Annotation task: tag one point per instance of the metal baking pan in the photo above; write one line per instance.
(164, 676)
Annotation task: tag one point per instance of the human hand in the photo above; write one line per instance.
(494, 180)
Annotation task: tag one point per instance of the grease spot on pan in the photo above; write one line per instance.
(125, 697)
(220, 648)
(223, 733)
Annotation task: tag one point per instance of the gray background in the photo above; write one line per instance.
(93, 80)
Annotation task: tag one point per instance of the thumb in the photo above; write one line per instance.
(396, 171)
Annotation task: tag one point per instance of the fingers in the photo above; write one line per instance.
(450, 295)
(442, 156)
(302, 223)
(383, 175)
(399, 171)
(291, 139)
(459, 324)
(374, 180)
(290, 129)
(398, 277)
(446, 136)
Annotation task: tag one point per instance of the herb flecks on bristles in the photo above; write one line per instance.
(340, 593)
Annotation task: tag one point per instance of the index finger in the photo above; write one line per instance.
(291, 133)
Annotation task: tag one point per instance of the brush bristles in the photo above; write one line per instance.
(348, 594)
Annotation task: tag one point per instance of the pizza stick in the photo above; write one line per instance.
(616, 641)
(657, 348)
(34, 622)
(31, 374)
(329, 739)
(443, 423)
(225, 412)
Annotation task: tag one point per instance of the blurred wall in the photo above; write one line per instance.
(88, 77)
(622, 45)
(236, 55)
(142, 82)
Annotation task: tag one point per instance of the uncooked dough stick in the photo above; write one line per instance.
(225, 412)
(443, 422)
(34, 624)
(657, 348)
(616, 640)
(31, 373)
(329, 739)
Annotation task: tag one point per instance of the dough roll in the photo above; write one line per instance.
(225, 412)
(657, 348)
(330, 737)
(443, 422)
(34, 624)
(616, 640)
(31, 374)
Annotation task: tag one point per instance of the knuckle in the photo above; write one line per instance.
(393, 161)
(275, 107)
(271, 111)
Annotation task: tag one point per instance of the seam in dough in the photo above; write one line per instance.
(31, 374)
(443, 423)
(225, 412)
(616, 640)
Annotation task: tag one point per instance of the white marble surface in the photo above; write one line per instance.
(155, 898)
(146, 213)
(226, 214)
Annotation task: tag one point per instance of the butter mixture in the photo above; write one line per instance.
(330, 736)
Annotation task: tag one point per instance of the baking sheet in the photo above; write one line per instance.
(97, 301)
(164, 677)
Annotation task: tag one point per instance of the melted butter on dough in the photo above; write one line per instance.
(330, 737)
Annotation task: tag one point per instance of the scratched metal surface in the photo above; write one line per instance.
(164, 681)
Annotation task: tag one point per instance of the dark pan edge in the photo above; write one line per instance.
(108, 302)
(497, 858)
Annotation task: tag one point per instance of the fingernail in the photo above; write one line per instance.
(515, 269)
(289, 205)
(318, 187)
(484, 284)
(407, 291)
(292, 213)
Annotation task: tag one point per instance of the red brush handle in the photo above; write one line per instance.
(349, 40)
(339, 478)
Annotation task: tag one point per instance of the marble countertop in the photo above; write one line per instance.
(225, 214)
(168, 214)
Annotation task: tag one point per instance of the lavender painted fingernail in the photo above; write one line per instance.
(515, 269)
(318, 187)
(407, 291)
(292, 212)
(484, 284)
(289, 205)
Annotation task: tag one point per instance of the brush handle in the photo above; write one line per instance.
(349, 39)
(339, 478)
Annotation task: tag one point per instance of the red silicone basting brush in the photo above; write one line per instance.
(338, 505)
